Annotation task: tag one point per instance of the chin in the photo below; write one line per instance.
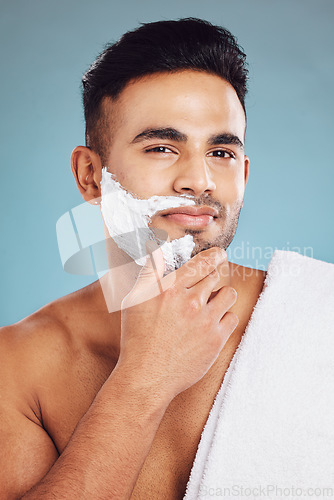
(222, 241)
(174, 231)
(212, 236)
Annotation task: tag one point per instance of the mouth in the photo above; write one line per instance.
(191, 217)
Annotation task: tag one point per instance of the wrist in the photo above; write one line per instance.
(140, 388)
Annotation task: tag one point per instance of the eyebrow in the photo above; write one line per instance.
(161, 133)
(177, 136)
(225, 138)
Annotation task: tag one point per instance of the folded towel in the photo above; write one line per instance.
(270, 432)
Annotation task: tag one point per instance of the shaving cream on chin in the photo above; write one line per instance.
(127, 219)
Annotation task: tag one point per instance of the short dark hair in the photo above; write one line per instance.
(158, 47)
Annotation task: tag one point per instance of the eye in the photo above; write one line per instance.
(221, 153)
(159, 149)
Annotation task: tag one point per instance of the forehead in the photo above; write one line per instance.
(192, 101)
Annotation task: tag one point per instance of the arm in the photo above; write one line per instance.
(107, 449)
(168, 343)
(109, 446)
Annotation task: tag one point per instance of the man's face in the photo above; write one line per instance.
(183, 133)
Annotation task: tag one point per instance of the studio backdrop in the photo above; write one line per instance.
(45, 48)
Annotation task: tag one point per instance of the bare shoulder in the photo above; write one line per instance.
(249, 284)
(38, 357)
(31, 349)
(46, 344)
(26, 351)
(49, 376)
(247, 278)
(43, 331)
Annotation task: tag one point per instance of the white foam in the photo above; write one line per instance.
(125, 215)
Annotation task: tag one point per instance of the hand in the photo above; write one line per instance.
(171, 331)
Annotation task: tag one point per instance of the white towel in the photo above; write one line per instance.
(270, 432)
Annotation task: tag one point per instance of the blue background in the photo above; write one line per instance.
(46, 46)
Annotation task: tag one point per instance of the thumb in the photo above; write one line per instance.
(153, 270)
(148, 283)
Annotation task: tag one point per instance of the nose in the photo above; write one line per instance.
(194, 178)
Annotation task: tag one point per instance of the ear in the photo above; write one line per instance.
(246, 165)
(86, 167)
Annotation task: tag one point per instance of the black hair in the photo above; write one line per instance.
(163, 46)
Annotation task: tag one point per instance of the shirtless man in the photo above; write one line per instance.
(98, 405)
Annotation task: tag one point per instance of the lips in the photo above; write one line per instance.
(191, 217)
(192, 211)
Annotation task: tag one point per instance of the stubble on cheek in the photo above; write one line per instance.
(228, 223)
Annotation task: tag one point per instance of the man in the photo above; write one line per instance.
(99, 404)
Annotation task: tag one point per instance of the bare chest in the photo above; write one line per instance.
(167, 467)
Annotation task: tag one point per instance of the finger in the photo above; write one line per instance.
(202, 290)
(223, 301)
(227, 325)
(148, 283)
(225, 276)
(153, 270)
(158, 263)
(200, 266)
